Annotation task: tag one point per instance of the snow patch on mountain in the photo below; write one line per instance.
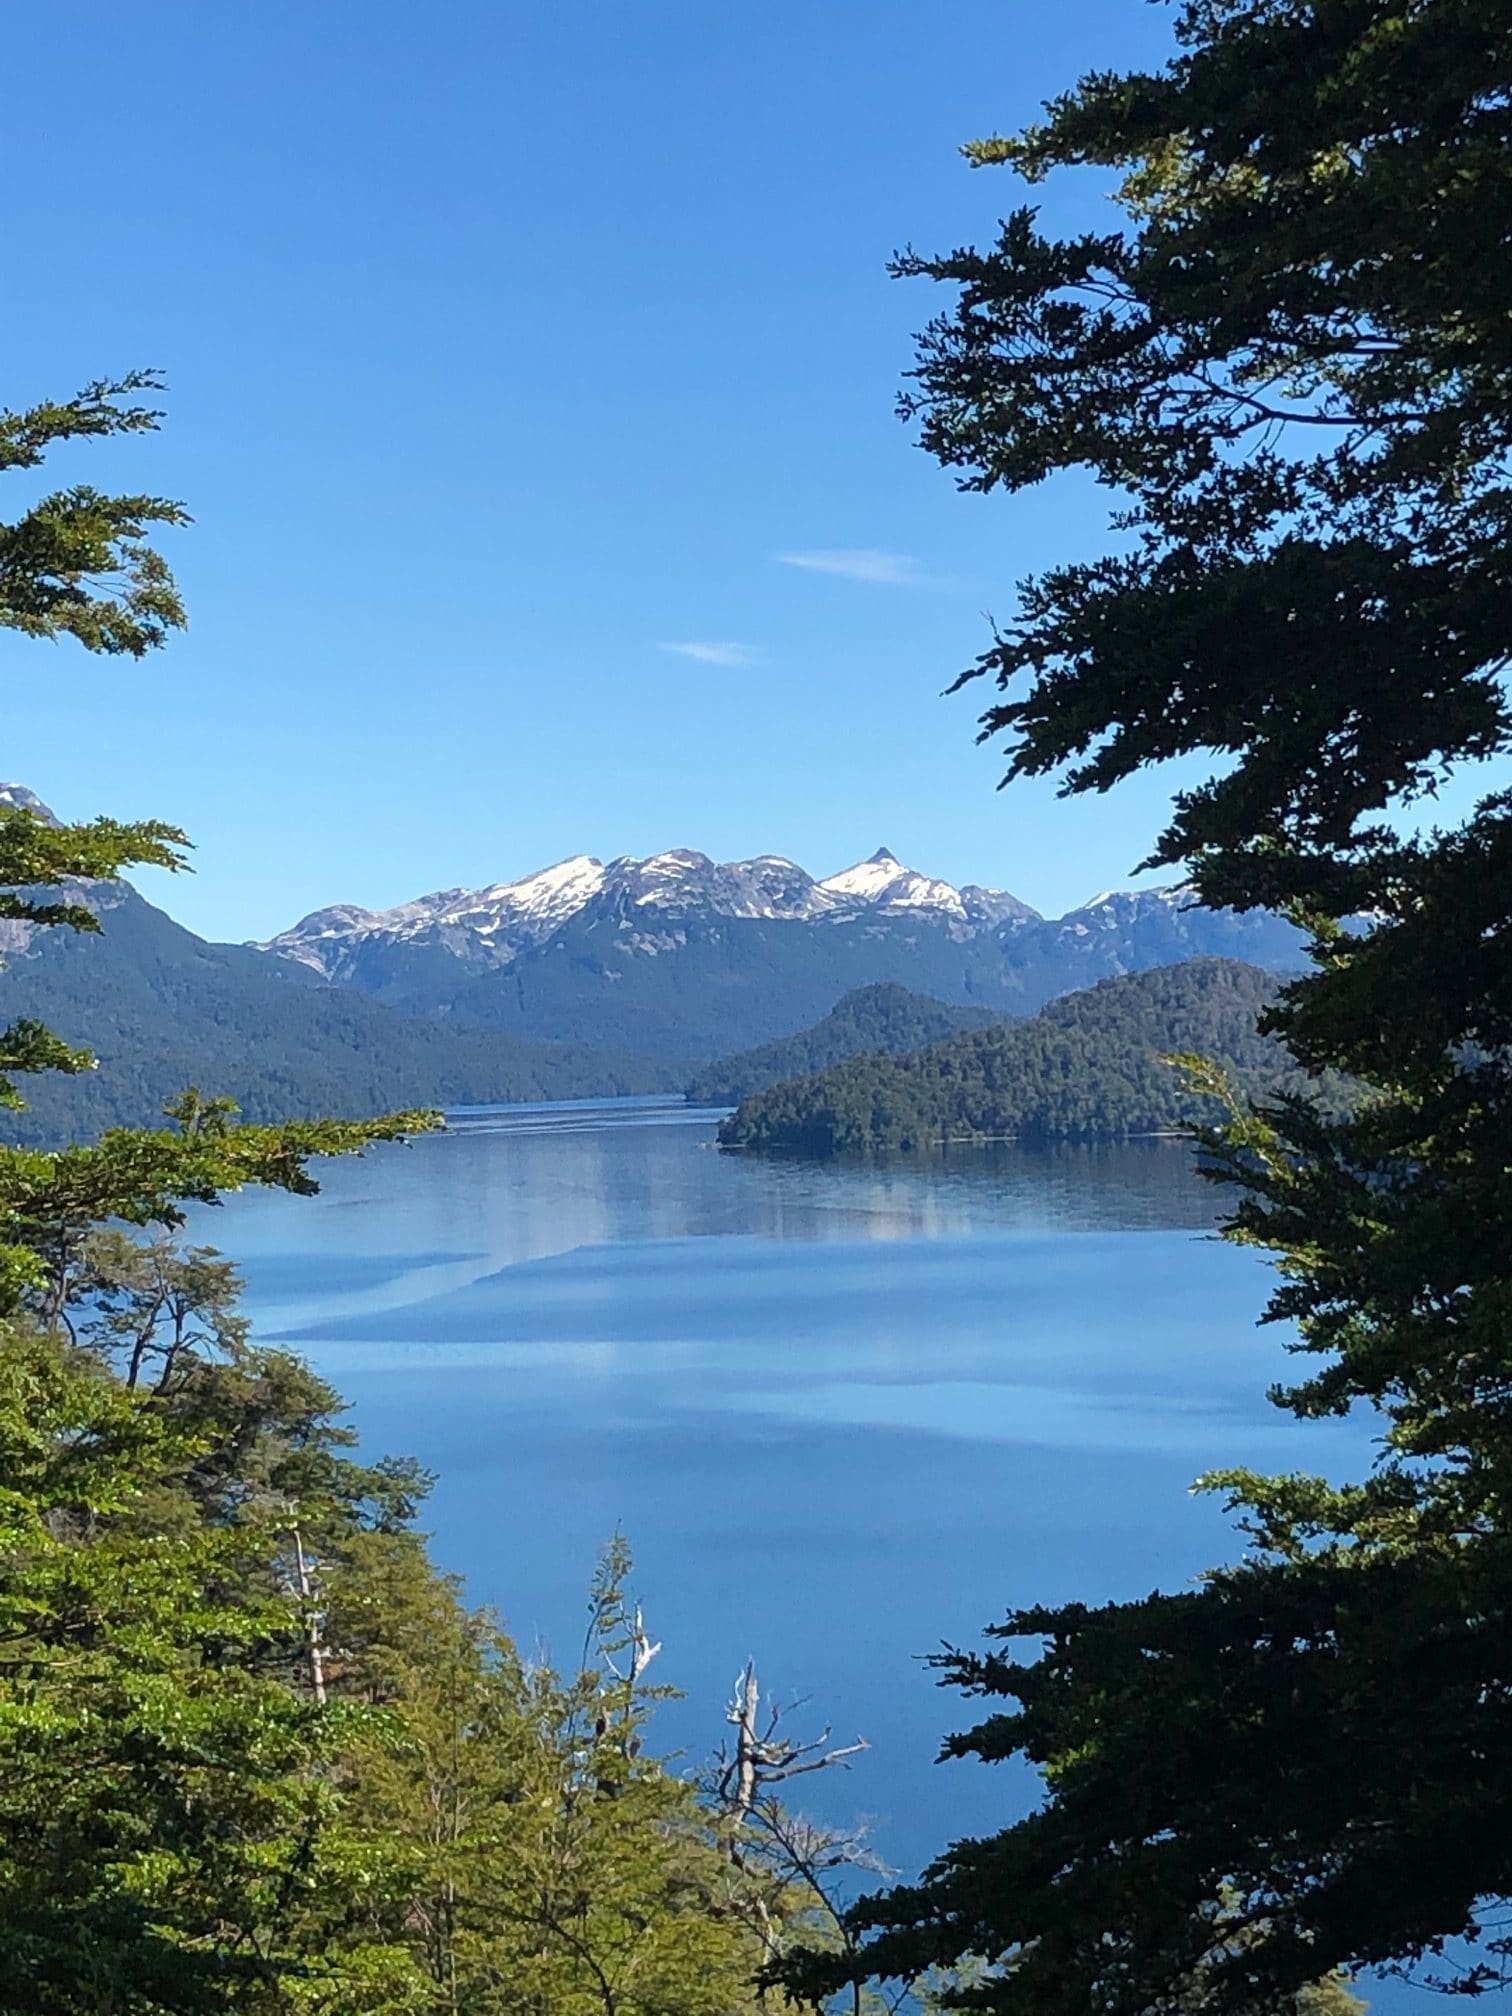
(1175, 895)
(542, 899)
(483, 926)
(884, 883)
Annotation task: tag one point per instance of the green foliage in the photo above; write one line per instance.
(1306, 411)
(1091, 1066)
(79, 562)
(1290, 358)
(37, 852)
(882, 1017)
(28, 1045)
(162, 1311)
(159, 1777)
(256, 1755)
(533, 1856)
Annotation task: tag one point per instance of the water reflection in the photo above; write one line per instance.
(504, 1186)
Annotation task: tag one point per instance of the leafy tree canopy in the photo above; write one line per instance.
(79, 562)
(1294, 361)
(255, 1753)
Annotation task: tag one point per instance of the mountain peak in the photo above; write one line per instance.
(491, 928)
(882, 882)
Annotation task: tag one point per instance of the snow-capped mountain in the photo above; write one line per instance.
(884, 882)
(482, 927)
(677, 956)
(490, 928)
(585, 977)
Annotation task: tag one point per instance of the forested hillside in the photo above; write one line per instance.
(163, 1009)
(1088, 1066)
(885, 1017)
(1275, 341)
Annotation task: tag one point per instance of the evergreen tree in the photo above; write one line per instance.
(1292, 359)
(160, 1776)
(80, 563)
(257, 1755)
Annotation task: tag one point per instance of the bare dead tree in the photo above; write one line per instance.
(812, 1858)
(762, 1756)
(775, 1851)
(312, 1616)
(642, 1651)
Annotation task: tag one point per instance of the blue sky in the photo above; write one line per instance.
(510, 347)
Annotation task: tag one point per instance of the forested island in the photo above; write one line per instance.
(1091, 1066)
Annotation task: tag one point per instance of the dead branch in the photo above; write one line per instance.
(763, 1756)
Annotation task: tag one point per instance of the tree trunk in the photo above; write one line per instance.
(315, 1651)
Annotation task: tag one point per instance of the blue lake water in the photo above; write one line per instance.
(843, 1414)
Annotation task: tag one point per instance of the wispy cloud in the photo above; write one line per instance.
(859, 563)
(708, 653)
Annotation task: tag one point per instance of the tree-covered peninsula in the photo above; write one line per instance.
(1090, 1066)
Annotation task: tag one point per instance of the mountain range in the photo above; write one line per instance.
(162, 1008)
(677, 957)
(584, 979)
(487, 930)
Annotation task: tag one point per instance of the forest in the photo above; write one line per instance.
(883, 1017)
(1093, 1066)
(259, 1753)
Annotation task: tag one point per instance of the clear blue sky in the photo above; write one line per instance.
(509, 346)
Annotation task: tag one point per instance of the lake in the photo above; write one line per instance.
(842, 1413)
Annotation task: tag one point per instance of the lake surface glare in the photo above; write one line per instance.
(842, 1413)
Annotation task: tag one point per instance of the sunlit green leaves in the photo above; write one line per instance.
(80, 562)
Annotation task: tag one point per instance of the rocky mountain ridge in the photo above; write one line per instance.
(652, 967)
(488, 929)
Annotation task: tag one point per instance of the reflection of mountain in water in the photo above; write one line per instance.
(431, 1243)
